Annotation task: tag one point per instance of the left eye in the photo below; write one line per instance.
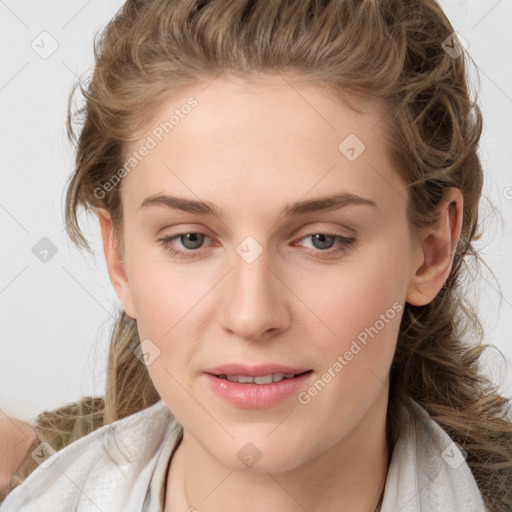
(192, 242)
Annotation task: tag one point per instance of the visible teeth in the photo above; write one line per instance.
(264, 379)
(267, 379)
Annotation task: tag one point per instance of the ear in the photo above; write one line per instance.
(436, 247)
(115, 264)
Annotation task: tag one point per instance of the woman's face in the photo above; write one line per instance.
(269, 282)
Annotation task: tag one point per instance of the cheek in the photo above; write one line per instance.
(167, 299)
(164, 310)
(357, 311)
(353, 295)
(163, 292)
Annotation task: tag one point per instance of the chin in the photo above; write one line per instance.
(259, 456)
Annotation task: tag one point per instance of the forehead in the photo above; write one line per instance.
(267, 133)
(231, 109)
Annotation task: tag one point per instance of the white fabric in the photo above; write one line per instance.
(111, 469)
(154, 501)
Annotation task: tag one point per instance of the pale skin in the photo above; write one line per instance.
(251, 149)
(16, 438)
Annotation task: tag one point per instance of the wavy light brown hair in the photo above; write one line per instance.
(388, 50)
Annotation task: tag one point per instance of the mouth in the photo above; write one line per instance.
(263, 389)
(261, 379)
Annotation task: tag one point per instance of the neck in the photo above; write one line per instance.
(349, 476)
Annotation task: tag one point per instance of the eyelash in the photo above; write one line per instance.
(346, 242)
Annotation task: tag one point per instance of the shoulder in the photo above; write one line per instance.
(107, 469)
(428, 471)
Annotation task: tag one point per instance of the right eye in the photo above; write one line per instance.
(195, 239)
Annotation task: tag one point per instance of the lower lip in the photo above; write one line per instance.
(257, 396)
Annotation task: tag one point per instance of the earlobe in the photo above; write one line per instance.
(114, 262)
(437, 248)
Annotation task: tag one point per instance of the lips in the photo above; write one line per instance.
(259, 394)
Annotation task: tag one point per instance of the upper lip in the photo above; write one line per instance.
(255, 370)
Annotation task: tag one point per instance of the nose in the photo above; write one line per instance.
(255, 302)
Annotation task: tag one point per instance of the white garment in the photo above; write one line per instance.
(121, 467)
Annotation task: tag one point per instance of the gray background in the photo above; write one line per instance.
(55, 316)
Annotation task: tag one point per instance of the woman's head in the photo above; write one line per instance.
(252, 106)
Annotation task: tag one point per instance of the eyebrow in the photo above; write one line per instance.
(330, 202)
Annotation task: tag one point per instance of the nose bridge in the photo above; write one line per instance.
(254, 302)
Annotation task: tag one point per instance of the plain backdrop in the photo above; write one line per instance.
(56, 314)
